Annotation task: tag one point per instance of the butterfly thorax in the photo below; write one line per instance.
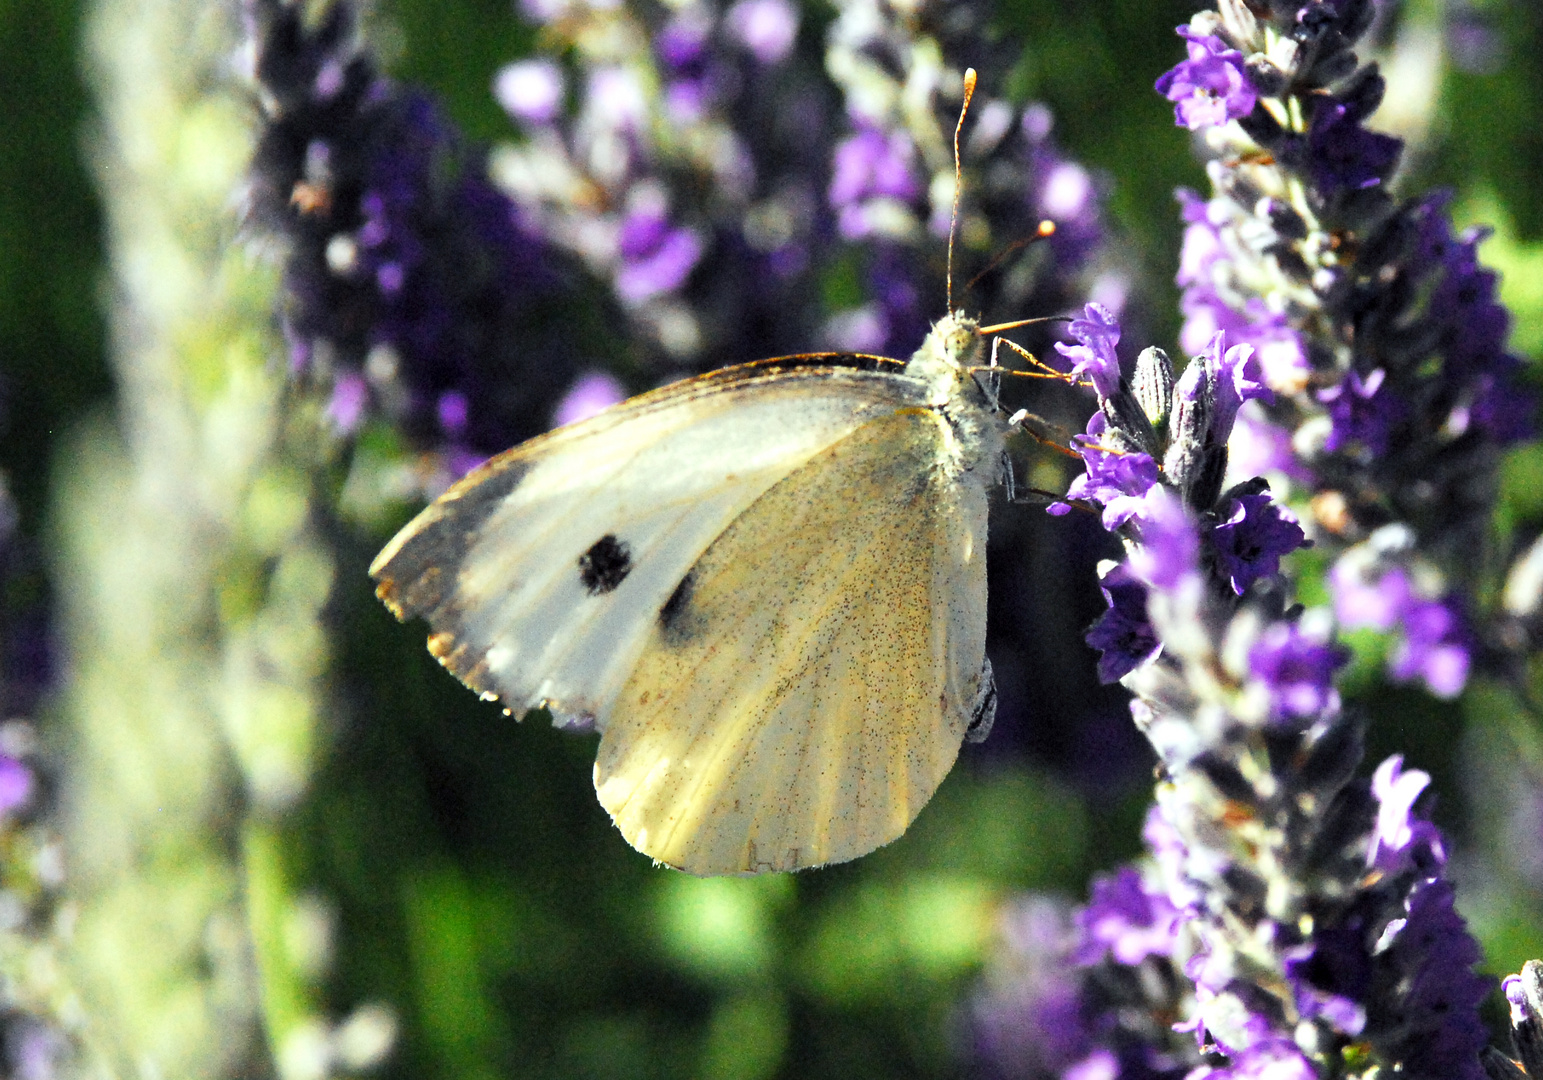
(947, 362)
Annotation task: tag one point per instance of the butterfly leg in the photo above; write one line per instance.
(984, 712)
(1022, 496)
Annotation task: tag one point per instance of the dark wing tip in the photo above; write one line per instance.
(416, 572)
(465, 662)
(386, 592)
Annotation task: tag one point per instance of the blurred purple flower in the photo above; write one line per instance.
(656, 257)
(16, 784)
(350, 399)
(1126, 920)
(1271, 1058)
(1378, 603)
(593, 392)
(452, 412)
(1169, 547)
(1282, 361)
(683, 41)
(1030, 1024)
(1258, 446)
(1297, 669)
(1434, 648)
(871, 164)
(767, 28)
(34, 1049)
(531, 91)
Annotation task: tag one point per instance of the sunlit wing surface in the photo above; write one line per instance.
(806, 687)
(542, 573)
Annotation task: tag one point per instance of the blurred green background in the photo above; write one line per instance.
(472, 883)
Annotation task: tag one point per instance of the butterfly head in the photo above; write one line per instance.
(953, 348)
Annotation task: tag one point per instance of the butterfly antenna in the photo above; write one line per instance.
(999, 327)
(953, 217)
(1043, 231)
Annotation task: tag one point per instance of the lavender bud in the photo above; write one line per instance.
(1268, 79)
(1154, 386)
(1524, 993)
(1128, 419)
(1357, 16)
(1238, 21)
(1283, 218)
(1362, 93)
(1499, 1067)
(1335, 66)
(1192, 464)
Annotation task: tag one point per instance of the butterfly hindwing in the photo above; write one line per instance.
(806, 687)
(543, 573)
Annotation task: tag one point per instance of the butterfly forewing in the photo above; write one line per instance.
(543, 573)
(806, 686)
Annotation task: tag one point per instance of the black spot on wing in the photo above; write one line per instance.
(676, 618)
(605, 565)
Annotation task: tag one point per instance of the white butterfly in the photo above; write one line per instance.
(765, 587)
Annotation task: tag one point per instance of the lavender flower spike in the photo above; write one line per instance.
(1293, 954)
(1377, 328)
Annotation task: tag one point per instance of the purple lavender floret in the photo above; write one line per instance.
(1401, 840)
(1251, 537)
(1123, 635)
(1094, 357)
(1210, 87)
(1113, 478)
